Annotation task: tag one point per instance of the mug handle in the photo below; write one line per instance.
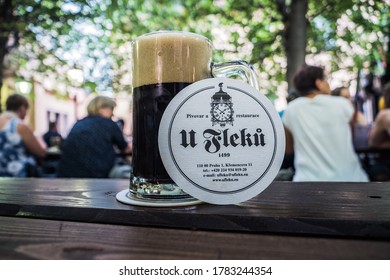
(239, 68)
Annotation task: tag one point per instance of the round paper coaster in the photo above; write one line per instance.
(123, 196)
(221, 141)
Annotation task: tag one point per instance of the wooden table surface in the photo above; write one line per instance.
(81, 219)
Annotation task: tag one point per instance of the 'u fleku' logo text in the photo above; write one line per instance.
(214, 140)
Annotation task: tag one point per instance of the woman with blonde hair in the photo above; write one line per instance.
(88, 151)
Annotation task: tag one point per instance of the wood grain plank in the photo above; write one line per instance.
(22, 238)
(313, 208)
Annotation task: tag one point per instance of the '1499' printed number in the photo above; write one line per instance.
(225, 270)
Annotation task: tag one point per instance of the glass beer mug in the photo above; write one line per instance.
(164, 63)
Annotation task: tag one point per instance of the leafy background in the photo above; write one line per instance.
(47, 38)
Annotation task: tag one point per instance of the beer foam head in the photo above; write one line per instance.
(170, 57)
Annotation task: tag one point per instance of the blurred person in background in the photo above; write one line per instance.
(380, 137)
(52, 138)
(88, 151)
(358, 117)
(17, 141)
(380, 133)
(318, 132)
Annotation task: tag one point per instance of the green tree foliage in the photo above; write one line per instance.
(253, 30)
(359, 29)
(38, 31)
(349, 28)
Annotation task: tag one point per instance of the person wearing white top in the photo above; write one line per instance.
(318, 132)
